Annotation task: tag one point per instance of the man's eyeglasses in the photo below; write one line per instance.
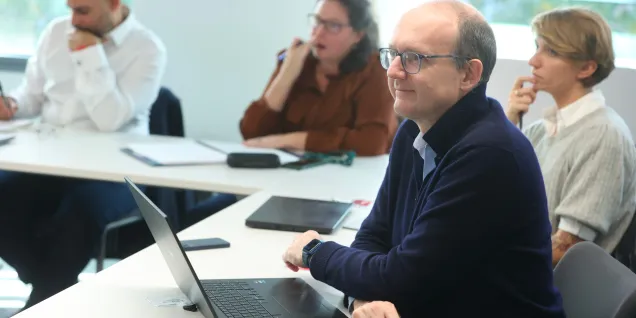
(331, 26)
(411, 61)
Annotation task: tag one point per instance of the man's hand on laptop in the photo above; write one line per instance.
(293, 257)
(376, 309)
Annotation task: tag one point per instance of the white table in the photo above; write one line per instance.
(98, 156)
(123, 290)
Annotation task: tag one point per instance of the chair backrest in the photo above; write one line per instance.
(166, 117)
(595, 285)
(625, 251)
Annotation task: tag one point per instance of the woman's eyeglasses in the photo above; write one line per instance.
(331, 26)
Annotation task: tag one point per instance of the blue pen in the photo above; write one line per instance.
(282, 55)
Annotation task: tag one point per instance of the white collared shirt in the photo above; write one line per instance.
(556, 120)
(106, 87)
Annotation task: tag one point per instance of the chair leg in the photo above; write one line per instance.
(102, 252)
(134, 216)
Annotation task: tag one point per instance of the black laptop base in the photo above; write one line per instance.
(268, 297)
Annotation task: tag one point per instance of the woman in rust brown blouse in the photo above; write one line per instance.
(335, 98)
(329, 93)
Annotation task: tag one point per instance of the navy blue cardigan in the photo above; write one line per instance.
(471, 240)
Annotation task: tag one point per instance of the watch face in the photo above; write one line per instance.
(312, 244)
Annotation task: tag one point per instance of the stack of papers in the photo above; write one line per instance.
(174, 153)
(359, 212)
(228, 147)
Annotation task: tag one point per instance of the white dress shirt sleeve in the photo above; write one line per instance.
(113, 102)
(576, 228)
(30, 94)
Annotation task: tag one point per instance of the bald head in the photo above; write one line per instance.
(452, 7)
(473, 37)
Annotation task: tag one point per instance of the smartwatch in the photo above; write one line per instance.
(309, 250)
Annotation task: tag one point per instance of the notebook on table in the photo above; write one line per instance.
(174, 153)
(299, 215)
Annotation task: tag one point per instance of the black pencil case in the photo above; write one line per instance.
(253, 160)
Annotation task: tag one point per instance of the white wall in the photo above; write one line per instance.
(221, 54)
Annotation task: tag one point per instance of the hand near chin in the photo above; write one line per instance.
(80, 39)
(520, 98)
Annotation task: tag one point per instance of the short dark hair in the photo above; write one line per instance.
(476, 40)
(360, 14)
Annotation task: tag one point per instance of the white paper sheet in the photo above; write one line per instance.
(168, 298)
(4, 138)
(359, 212)
(178, 153)
(13, 124)
(228, 147)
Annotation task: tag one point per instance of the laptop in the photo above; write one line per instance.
(299, 215)
(228, 298)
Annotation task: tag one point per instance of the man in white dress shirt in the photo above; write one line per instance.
(98, 70)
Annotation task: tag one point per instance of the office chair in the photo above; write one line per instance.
(625, 251)
(595, 285)
(165, 119)
(133, 217)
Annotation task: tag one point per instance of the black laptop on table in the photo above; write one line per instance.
(228, 298)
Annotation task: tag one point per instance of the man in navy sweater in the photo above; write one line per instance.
(460, 225)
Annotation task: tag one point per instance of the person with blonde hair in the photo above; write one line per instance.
(585, 149)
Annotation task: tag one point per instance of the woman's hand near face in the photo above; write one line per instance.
(293, 63)
(295, 59)
(520, 99)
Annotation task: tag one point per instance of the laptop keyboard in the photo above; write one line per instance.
(236, 299)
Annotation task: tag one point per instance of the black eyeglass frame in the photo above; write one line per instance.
(420, 57)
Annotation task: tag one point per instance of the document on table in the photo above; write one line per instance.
(359, 212)
(229, 147)
(13, 124)
(175, 153)
(5, 138)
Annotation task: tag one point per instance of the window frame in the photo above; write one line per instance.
(505, 43)
(13, 63)
(18, 62)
